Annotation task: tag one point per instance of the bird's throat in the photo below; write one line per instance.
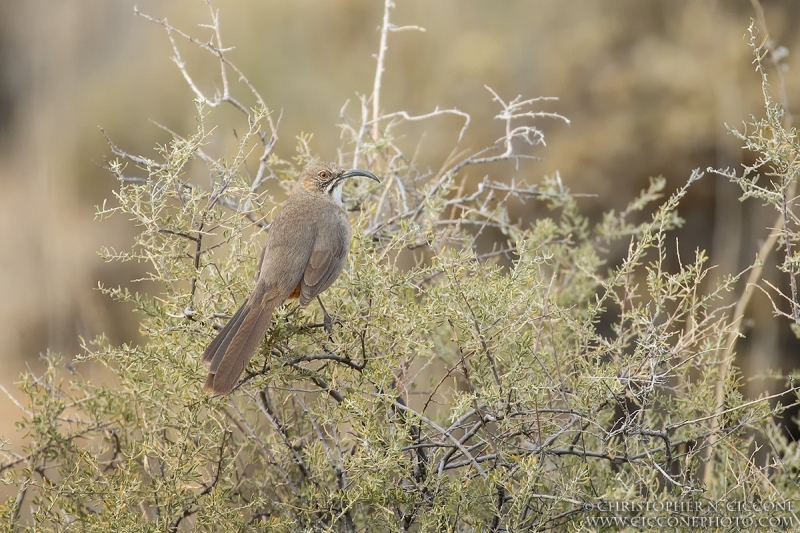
(336, 192)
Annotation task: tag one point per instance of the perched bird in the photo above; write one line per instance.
(305, 250)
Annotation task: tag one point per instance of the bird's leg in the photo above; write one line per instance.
(326, 318)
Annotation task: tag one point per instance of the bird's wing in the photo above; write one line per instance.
(287, 251)
(326, 261)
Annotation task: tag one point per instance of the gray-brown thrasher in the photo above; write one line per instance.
(305, 250)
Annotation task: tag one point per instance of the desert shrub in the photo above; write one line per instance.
(464, 387)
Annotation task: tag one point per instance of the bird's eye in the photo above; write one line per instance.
(323, 174)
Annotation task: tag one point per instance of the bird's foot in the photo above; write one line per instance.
(327, 321)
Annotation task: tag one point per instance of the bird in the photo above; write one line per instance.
(304, 252)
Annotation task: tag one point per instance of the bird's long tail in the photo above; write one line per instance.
(231, 350)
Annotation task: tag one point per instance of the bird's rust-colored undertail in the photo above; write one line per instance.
(296, 292)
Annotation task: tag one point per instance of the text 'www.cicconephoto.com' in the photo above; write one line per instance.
(686, 515)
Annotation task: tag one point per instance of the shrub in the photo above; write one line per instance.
(510, 389)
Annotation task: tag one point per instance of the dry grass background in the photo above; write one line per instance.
(648, 87)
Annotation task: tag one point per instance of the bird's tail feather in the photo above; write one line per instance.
(214, 352)
(233, 352)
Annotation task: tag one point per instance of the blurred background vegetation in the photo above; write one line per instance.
(648, 87)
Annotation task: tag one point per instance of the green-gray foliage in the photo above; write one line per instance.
(455, 393)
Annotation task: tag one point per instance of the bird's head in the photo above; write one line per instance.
(328, 178)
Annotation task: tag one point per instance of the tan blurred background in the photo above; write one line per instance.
(647, 85)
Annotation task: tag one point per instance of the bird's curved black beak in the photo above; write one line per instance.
(357, 172)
